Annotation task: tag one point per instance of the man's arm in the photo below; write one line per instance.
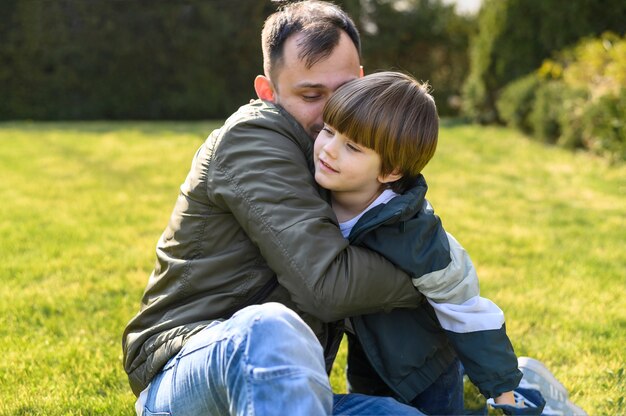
(263, 178)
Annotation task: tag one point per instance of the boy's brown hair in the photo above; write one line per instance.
(392, 114)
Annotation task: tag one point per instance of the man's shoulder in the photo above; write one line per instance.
(260, 127)
(260, 114)
(256, 109)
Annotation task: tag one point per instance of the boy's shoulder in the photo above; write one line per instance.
(412, 202)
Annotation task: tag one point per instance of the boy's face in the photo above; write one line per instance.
(342, 165)
(303, 91)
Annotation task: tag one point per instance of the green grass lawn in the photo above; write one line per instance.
(83, 205)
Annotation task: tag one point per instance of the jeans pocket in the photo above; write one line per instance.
(262, 374)
(288, 374)
(147, 412)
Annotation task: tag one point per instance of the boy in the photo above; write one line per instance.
(379, 133)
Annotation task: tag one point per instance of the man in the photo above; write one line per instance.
(252, 273)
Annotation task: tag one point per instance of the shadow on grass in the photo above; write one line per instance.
(201, 128)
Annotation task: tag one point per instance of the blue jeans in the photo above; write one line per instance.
(264, 360)
(443, 397)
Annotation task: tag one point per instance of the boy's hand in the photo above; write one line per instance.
(530, 402)
(507, 398)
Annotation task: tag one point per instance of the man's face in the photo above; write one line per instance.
(303, 91)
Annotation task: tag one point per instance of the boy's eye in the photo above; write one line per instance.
(353, 147)
(328, 131)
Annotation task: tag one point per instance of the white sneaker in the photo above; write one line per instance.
(537, 376)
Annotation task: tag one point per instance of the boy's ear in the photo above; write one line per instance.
(264, 89)
(390, 177)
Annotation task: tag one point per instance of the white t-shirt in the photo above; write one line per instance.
(386, 196)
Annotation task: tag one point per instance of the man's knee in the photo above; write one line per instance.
(275, 318)
(270, 309)
(274, 329)
(270, 312)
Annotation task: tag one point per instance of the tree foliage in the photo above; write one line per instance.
(515, 36)
(423, 37)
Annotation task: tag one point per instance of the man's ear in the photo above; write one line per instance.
(390, 177)
(263, 87)
(361, 73)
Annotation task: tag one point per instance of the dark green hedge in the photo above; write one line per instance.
(154, 59)
(128, 59)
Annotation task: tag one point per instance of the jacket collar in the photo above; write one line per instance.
(399, 209)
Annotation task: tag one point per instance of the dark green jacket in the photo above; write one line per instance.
(249, 226)
(408, 348)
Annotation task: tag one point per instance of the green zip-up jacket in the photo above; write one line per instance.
(409, 348)
(250, 226)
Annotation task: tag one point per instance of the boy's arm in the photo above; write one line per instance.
(443, 272)
(474, 325)
(477, 331)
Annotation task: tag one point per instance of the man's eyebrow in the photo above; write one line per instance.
(311, 85)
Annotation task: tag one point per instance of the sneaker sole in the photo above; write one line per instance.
(553, 391)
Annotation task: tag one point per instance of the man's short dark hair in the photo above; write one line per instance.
(320, 24)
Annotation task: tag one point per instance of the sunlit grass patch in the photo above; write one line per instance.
(83, 205)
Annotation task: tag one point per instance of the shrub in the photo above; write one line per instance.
(604, 126)
(515, 36)
(573, 106)
(473, 103)
(517, 100)
(577, 99)
(545, 115)
(593, 78)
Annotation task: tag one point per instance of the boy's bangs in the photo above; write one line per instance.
(350, 116)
